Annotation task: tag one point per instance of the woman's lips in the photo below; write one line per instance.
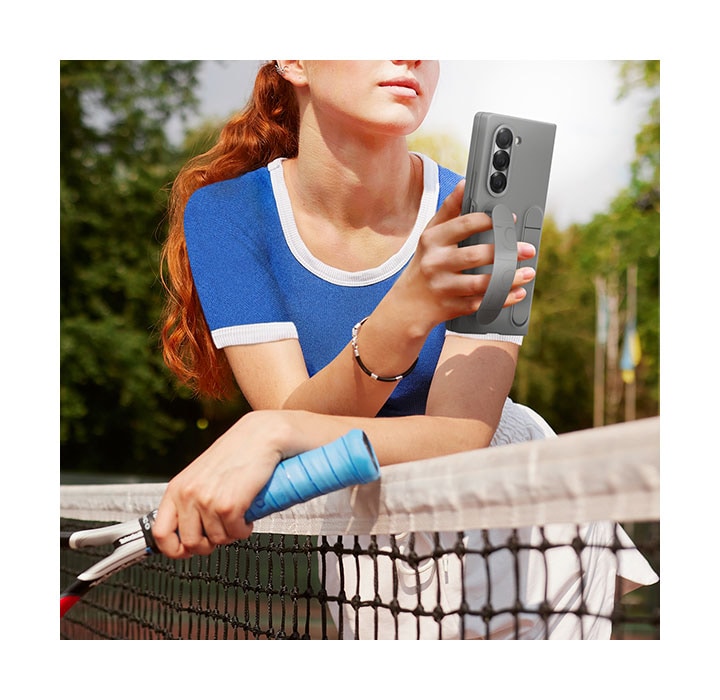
(403, 87)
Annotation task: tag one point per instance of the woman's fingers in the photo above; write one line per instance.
(472, 256)
(451, 206)
(448, 228)
(445, 273)
(195, 517)
(464, 292)
(191, 533)
(197, 531)
(468, 305)
(526, 251)
(204, 505)
(165, 529)
(223, 518)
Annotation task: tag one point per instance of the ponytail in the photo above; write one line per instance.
(265, 130)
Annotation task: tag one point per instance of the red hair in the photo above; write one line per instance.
(266, 129)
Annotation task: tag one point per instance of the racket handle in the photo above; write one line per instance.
(347, 461)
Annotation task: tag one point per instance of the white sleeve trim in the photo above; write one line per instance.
(254, 333)
(517, 339)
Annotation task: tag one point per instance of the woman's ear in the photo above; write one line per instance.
(293, 72)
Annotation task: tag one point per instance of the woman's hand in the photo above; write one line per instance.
(204, 505)
(434, 278)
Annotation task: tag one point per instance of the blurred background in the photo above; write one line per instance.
(126, 127)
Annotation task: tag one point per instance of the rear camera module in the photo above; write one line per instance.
(498, 182)
(500, 160)
(504, 138)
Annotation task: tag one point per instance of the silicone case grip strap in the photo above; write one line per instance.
(347, 461)
(504, 264)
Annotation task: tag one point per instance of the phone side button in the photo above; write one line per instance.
(531, 230)
(520, 313)
(533, 219)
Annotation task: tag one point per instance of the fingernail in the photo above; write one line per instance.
(527, 249)
(528, 273)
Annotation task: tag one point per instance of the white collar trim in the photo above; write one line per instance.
(361, 278)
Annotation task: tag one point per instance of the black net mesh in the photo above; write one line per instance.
(534, 583)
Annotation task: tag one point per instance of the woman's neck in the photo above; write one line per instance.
(354, 204)
(355, 184)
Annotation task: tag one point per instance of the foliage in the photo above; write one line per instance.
(555, 369)
(119, 409)
(555, 372)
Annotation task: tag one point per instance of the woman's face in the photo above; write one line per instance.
(384, 97)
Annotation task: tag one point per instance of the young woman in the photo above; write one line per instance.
(313, 261)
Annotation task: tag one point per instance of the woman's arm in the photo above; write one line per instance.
(472, 380)
(204, 505)
(206, 502)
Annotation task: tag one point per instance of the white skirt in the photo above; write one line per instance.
(500, 585)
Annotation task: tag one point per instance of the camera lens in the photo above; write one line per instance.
(504, 138)
(498, 182)
(501, 160)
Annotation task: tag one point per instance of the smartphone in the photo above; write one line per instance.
(508, 173)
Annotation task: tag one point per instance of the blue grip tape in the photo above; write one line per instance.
(347, 461)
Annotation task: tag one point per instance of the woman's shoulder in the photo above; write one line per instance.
(251, 183)
(245, 195)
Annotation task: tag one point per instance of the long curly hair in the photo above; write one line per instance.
(266, 129)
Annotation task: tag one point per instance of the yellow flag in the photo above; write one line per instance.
(631, 353)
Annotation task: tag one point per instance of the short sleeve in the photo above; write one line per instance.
(229, 230)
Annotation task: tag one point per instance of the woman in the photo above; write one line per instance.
(314, 259)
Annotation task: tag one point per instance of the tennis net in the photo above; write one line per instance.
(517, 541)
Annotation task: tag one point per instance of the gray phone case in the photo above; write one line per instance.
(527, 174)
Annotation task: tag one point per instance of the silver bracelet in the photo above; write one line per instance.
(362, 366)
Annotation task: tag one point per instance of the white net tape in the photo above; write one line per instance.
(609, 473)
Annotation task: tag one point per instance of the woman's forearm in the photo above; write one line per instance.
(385, 345)
(395, 440)
(204, 505)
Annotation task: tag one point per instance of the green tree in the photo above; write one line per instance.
(556, 367)
(119, 408)
(628, 236)
(555, 372)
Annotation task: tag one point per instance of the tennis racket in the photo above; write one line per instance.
(347, 461)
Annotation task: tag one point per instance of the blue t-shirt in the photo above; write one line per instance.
(258, 282)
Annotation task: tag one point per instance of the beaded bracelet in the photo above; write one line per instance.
(362, 366)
